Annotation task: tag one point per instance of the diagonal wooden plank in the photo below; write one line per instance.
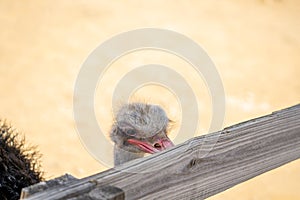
(241, 152)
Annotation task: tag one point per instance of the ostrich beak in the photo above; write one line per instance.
(159, 145)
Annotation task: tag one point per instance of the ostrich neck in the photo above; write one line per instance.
(121, 156)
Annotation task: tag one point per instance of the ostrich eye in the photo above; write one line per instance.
(130, 132)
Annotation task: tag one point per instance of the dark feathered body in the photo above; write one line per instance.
(18, 165)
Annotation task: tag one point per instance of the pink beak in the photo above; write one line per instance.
(158, 146)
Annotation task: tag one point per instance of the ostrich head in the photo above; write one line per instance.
(138, 129)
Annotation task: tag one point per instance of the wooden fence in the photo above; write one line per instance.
(240, 153)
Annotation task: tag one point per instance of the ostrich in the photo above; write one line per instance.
(138, 129)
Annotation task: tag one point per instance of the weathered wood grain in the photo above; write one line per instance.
(39, 187)
(241, 152)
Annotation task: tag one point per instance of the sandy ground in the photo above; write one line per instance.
(255, 46)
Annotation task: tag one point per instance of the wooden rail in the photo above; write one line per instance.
(241, 152)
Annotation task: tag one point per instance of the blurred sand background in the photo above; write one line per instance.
(254, 44)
